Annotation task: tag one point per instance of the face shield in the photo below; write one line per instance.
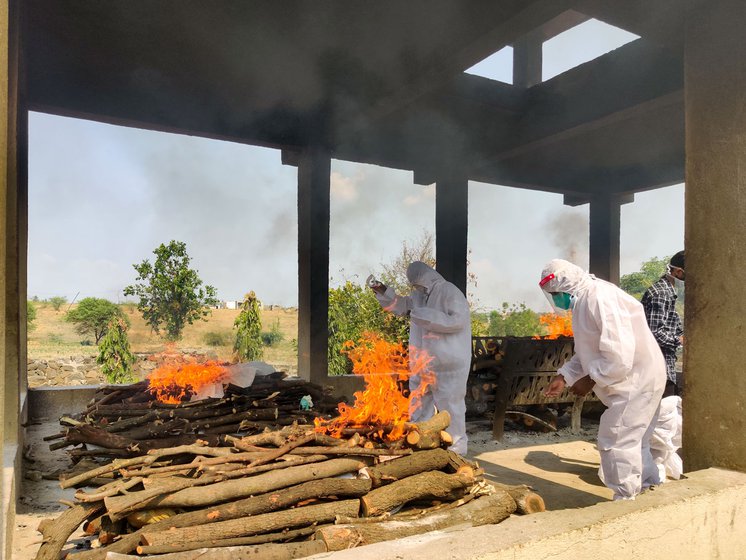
(561, 302)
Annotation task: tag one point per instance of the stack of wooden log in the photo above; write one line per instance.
(279, 494)
(127, 420)
(486, 366)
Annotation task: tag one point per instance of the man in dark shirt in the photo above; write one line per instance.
(659, 302)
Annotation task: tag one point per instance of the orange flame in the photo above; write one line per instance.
(172, 383)
(556, 325)
(382, 406)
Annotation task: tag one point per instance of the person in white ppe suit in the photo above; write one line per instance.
(618, 358)
(440, 324)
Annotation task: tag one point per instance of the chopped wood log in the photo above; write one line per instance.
(132, 422)
(263, 503)
(280, 451)
(239, 541)
(144, 460)
(57, 531)
(119, 507)
(482, 511)
(92, 526)
(111, 467)
(426, 485)
(102, 438)
(426, 434)
(396, 469)
(276, 438)
(156, 429)
(202, 464)
(110, 530)
(446, 439)
(264, 523)
(437, 423)
(232, 489)
(341, 450)
(111, 489)
(527, 501)
(411, 514)
(425, 440)
(271, 551)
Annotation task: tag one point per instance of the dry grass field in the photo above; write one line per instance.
(53, 337)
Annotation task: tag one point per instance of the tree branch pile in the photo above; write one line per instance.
(286, 492)
(127, 420)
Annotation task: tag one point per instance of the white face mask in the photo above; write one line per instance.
(678, 284)
(422, 289)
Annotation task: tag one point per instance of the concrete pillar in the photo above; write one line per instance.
(604, 237)
(314, 167)
(13, 212)
(451, 228)
(527, 60)
(715, 237)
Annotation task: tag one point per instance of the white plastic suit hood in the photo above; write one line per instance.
(420, 274)
(568, 277)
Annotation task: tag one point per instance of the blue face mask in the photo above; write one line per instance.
(562, 300)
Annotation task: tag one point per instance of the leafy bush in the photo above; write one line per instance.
(515, 320)
(273, 335)
(57, 301)
(248, 324)
(217, 338)
(354, 310)
(92, 316)
(30, 315)
(479, 324)
(115, 356)
(54, 338)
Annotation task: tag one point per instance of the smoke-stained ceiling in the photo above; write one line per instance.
(379, 82)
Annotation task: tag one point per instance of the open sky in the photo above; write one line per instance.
(102, 197)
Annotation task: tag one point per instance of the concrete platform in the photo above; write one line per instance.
(703, 516)
(700, 518)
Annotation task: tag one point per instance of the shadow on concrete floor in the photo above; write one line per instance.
(586, 471)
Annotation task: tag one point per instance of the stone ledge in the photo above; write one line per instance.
(52, 402)
(701, 517)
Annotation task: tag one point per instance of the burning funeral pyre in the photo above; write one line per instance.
(251, 473)
(511, 371)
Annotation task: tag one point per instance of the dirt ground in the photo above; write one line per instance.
(560, 466)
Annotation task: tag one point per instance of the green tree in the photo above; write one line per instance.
(92, 316)
(479, 323)
(651, 270)
(114, 355)
(171, 294)
(30, 315)
(394, 274)
(514, 320)
(248, 324)
(353, 310)
(57, 302)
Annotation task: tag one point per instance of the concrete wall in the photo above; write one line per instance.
(714, 363)
(52, 402)
(701, 518)
(13, 210)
